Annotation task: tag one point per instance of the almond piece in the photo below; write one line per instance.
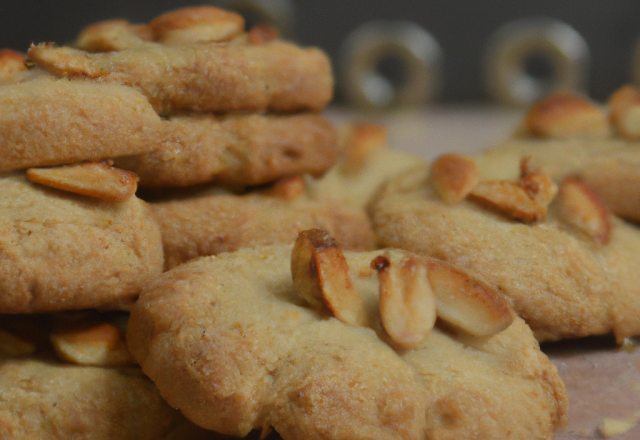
(360, 140)
(581, 208)
(453, 177)
(197, 24)
(563, 115)
(287, 188)
(466, 302)
(99, 344)
(113, 35)
(624, 111)
(90, 179)
(321, 276)
(262, 34)
(407, 304)
(11, 65)
(526, 200)
(13, 346)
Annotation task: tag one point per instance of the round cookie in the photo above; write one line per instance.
(229, 342)
(62, 251)
(47, 398)
(569, 273)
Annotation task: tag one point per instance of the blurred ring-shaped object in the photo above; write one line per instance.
(410, 47)
(277, 13)
(560, 49)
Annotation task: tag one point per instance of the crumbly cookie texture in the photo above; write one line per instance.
(63, 251)
(212, 222)
(569, 271)
(204, 77)
(230, 342)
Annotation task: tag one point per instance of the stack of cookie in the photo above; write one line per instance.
(189, 99)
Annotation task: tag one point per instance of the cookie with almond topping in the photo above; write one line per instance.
(553, 247)
(64, 251)
(230, 342)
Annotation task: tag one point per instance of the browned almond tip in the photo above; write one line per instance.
(453, 177)
(321, 276)
(100, 344)
(288, 188)
(197, 24)
(526, 200)
(360, 140)
(581, 208)
(262, 34)
(466, 302)
(407, 304)
(624, 111)
(564, 115)
(89, 179)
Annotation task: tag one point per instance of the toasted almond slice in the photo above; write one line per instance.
(90, 179)
(407, 304)
(624, 111)
(359, 141)
(287, 188)
(113, 35)
(509, 199)
(466, 302)
(321, 276)
(526, 200)
(453, 177)
(99, 344)
(197, 24)
(13, 346)
(262, 34)
(581, 208)
(11, 65)
(564, 115)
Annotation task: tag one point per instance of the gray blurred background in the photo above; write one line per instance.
(461, 28)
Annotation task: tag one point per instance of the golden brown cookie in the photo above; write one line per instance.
(214, 221)
(568, 265)
(180, 71)
(229, 341)
(63, 251)
(236, 149)
(569, 135)
(44, 397)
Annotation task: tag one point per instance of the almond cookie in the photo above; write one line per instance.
(236, 150)
(568, 264)
(236, 343)
(64, 251)
(214, 221)
(48, 398)
(570, 135)
(184, 73)
(46, 121)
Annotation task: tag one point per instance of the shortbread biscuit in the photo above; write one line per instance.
(62, 251)
(46, 121)
(49, 121)
(215, 221)
(567, 264)
(236, 149)
(228, 341)
(48, 398)
(204, 77)
(568, 135)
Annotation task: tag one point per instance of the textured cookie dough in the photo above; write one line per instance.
(61, 251)
(228, 341)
